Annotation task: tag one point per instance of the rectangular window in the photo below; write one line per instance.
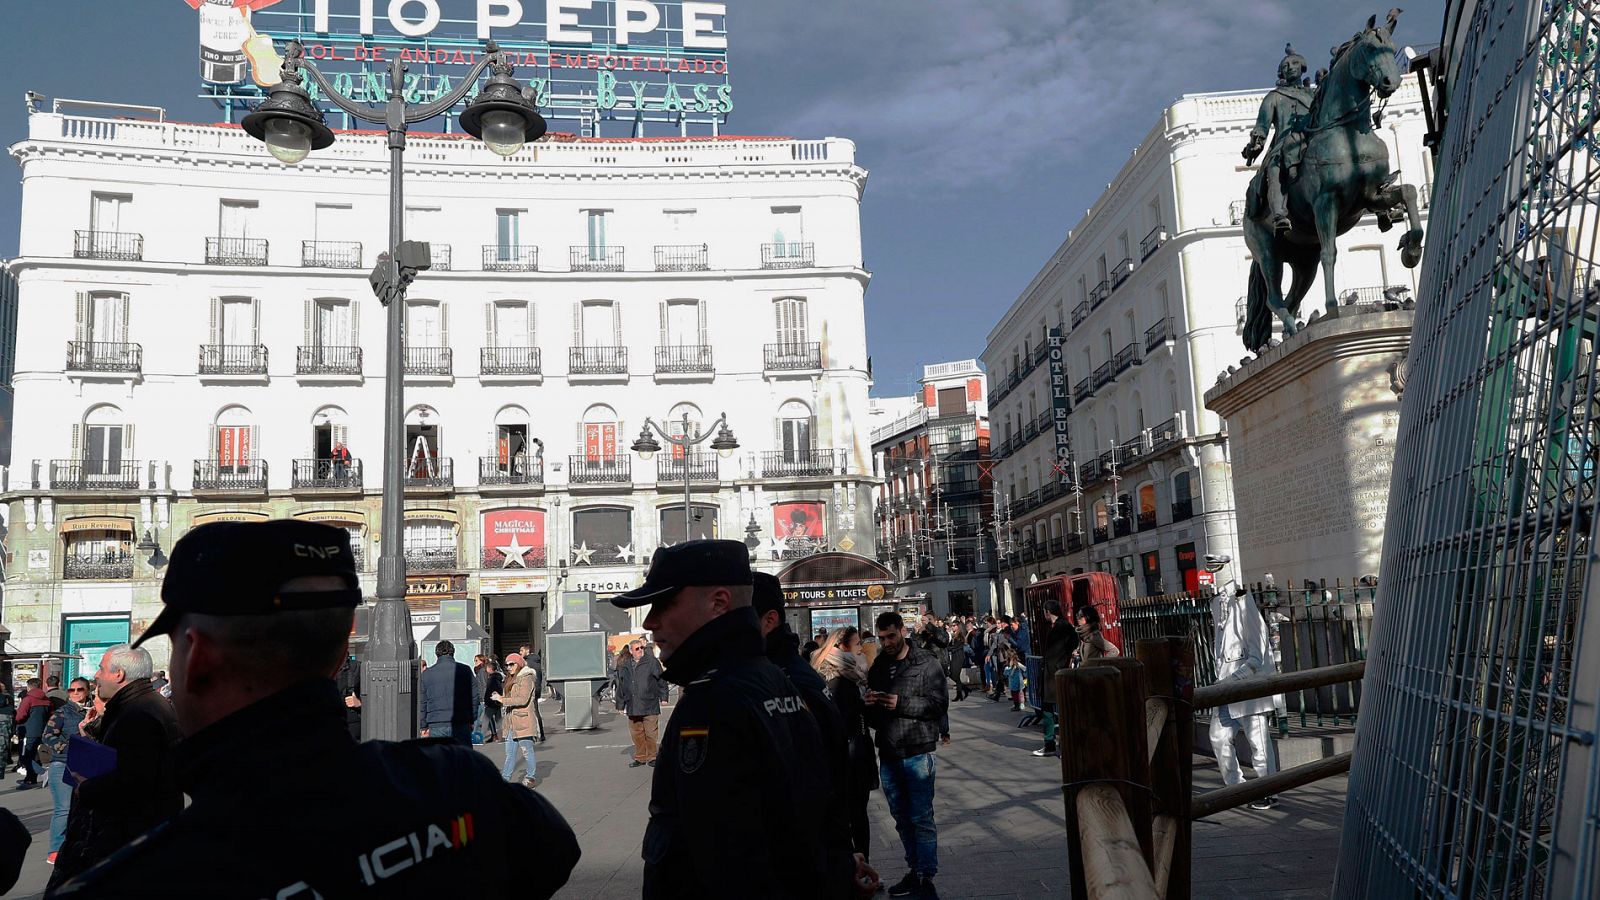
(236, 218)
(424, 325)
(597, 232)
(787, 232)
(511, 448)
(952, 401)
(683, 323)
(511, 325)
(702, 523)
(599, 325)
(680, 221)
(791, 322)
(421, 222)
(796, 436)
(1150, 566)
(507, 233)
(108, 318)
(333, 222)
(332, 326)
(106, 211)
(604, 532)
(236, 321)
(102, 450)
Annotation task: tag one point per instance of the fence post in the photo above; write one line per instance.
(1170, 792)
(1135, 762)
(1098, 730)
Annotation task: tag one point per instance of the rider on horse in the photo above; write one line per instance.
(1283, 111)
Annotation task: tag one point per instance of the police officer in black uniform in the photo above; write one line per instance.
(738, 802)
(283, 801)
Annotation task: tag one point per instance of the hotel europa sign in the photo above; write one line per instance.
(632, 61)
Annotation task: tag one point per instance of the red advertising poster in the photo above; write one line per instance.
(233, 445)
(513, 537)
(800, 524)
(600, 441)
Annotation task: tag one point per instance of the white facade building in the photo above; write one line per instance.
(198, 339)
(1147, 290)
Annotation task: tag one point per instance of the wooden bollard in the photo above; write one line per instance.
(1091, 747)
(1135, 762)
(1169, 792)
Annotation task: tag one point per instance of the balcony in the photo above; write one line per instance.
(788, 357)
(95, 474)
(1158, 334)
(1126, 358)
(213, 476)
(509, 361)
(429, 473)
(439, 258)
(1057, 546)
(1102, 375)
(1122, 527)
(1100, 293)
(788, 255)
(604, 360)
(584, 258)
(326, 475)
(104, 356)
(1030, 430)
(233, 359)
(323, 359)
(121, 245)
(437, 361)
(1082, 391)
(330, 254)
(91, 566)
(801, 463)
(682, 258)
(1046, 421)
(1388, 294)
(1079, 313)
(599, 470)
(430, 559)
(1147, 520)
(522, 469)
(1101, 535)
(1074, 542)
(1182, 510)
(1120, 272)
(510, 258)
(1130, 450)
(1152, 242)
(683, 359)
(701, 467)
(1166, 434)
(1038, 356)
(236, 251)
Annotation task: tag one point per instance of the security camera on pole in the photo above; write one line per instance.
(292, 126)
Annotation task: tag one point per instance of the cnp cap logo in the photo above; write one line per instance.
(309, 551)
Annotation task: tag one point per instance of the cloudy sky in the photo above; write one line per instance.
(988, 126)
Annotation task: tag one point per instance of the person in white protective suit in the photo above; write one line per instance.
(1241, 650)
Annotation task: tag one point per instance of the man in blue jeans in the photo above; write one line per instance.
(906, 696)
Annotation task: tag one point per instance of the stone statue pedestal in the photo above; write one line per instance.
(1311, 430)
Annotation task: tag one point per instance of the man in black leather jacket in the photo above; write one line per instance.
(284, 803)
(738, 803)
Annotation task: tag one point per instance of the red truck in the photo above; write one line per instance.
(1097, 589)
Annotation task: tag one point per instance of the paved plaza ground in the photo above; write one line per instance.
(999, 812)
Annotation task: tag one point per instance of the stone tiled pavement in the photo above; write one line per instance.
(999, 812)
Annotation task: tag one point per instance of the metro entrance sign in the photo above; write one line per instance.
(639, 62)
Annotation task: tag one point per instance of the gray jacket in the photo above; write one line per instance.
(640, 686)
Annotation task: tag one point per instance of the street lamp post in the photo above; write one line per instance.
(722, 441)
(292, 126)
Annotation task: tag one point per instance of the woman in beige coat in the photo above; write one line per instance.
(518, 729)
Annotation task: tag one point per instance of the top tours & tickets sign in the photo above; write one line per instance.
(640, 62)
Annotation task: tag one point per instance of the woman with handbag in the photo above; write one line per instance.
(63, 724)
(843, 668)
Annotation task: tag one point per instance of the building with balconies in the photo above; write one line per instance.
(198, 342)
(1147, 293)
(935, 502)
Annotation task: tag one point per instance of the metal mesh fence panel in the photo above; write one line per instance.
(1475, 766)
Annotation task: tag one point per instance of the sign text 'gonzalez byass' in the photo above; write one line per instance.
(638, 61)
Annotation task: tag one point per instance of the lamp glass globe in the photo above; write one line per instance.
(503, 131)
(288, 140)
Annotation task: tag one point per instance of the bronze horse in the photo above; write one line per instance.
(1342, 174)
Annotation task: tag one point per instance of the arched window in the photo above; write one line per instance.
(103, 444)
(235, 442)
(1102, 521)
(796, 437)
(516, 457)
(602, 535)
(598, 434)
(424, 440)
(1147, 506)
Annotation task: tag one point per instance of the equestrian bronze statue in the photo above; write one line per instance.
(1324, 169)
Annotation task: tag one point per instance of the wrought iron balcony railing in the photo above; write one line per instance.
(1158, 334)
(801, 463)
(122, 245)
(601, 360)
(236, 251)
(517, 469)
(103, 566)
(509, 361)
(510, 258)
(1102, 375)
(793, 357)
(1120, 272)
(429, 361)
(1083, 390)
(1130, 450)
(330, 254)
(1079, 313)
(429, 472)
(95, 474)
(1166, 434)
(233, 359)
(1099, 294)
(1377, 295)
(1123, 526)
(599, 470)
(788, 255)
(532, 558)
(1182, 510)
(326, 474)
(439, 255)
(1147, 520)
(1126, 358)
(323, 359)
(700, 466)
(211, 475)
(1152, 242)
(1101, 534)
(595, 259)
(104, 356)
(682, 258)
(430, 559)
(1074, 542)
(681, 358)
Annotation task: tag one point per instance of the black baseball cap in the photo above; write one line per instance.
(236, 568)
(768, 594)
(689, 563)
